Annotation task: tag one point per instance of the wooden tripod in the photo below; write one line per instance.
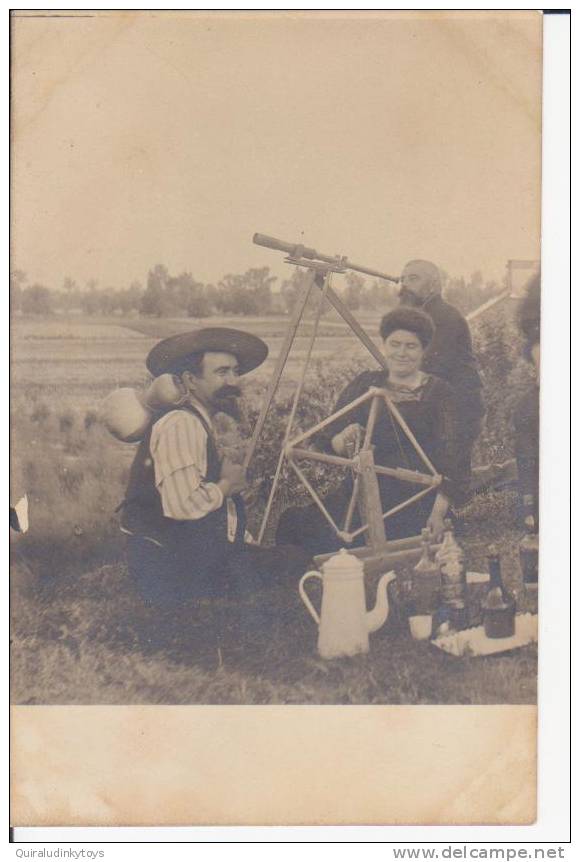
(378, 553)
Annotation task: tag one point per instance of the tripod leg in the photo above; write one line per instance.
(349, 318)
(290, 422)
(280, 363)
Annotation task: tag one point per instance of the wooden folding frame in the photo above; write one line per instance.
(362, 463)
(365, 492)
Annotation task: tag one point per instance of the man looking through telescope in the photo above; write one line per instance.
(450, 354)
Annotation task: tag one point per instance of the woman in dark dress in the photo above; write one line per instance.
(427, 404)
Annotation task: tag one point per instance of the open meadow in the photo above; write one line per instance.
(76, 622)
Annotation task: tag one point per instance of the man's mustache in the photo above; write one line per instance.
(225, 400)
(228, 392)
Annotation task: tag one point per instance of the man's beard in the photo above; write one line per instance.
(225, 401)
(407, 297)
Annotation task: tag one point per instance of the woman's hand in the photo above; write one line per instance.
(437, 516)
(347, 442)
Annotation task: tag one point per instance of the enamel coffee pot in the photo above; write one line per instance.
(344, 623)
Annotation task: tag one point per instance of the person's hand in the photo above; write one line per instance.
(232, 479)
(436, 526)
(347, 442)
(435, 521)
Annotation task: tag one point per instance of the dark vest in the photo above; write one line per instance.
(142, 510)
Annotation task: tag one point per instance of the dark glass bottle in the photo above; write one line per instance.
(499, 606)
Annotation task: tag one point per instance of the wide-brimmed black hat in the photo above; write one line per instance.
(172, 353)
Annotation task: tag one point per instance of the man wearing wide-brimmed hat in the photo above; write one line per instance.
(183, 510)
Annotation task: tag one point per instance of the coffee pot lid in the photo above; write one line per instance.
(343, 563)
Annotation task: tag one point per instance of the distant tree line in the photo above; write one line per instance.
(252, 293)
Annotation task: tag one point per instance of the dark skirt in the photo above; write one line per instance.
(307, 527)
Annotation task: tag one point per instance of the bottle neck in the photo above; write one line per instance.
(494, 572)
(448, 539)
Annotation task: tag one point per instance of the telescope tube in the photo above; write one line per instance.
(297, 250)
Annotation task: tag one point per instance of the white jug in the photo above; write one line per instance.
(127, 413)
(344, 622)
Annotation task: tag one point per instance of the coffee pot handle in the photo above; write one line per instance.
(305, 598)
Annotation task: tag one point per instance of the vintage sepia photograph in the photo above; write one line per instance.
(275, 346)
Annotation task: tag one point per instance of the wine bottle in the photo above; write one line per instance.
(529, 563)
(451, 561)
(529, 509)
(448, 545)
(499, 606)
(426, 578)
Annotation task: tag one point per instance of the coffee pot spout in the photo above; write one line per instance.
(378, 616)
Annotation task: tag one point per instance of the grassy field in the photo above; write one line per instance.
(79, 361)
(77, 627)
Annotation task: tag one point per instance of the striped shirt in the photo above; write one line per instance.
(179, 451)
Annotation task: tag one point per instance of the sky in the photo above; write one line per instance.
(145, 138)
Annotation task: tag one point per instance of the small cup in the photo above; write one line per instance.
(421, 626)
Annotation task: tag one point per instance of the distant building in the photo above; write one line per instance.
(518, 274)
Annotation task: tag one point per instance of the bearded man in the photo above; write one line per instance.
(183, 511)
(450, 354)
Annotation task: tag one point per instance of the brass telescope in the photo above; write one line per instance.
(297, 251)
